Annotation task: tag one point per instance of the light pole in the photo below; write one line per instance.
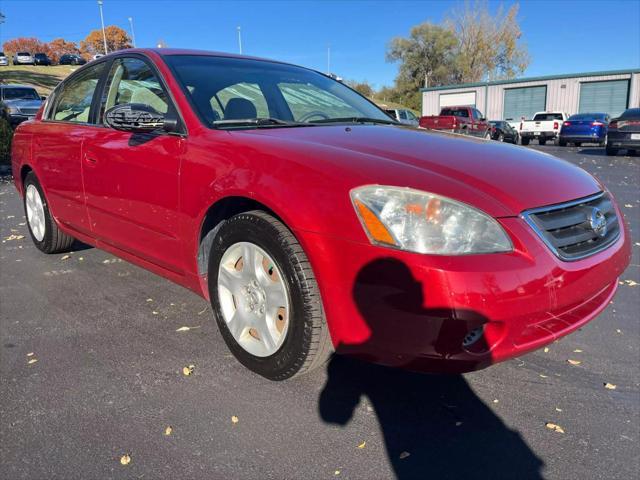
(104, 35)
(240, 40)
(2, 18)
(133, 33)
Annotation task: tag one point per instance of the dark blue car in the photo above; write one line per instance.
(585, 128)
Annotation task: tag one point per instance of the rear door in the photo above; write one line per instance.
(58, 143)
(131, 179)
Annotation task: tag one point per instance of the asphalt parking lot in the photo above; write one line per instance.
(91, 369)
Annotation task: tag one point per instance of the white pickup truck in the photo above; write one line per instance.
(544, 126)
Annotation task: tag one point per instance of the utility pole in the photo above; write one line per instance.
(133, 33)
(240, 39)
(104, 35)
(2, 19)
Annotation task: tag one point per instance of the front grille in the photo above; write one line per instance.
(29, 111)
(576, 229)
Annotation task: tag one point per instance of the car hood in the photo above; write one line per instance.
(499, 178)
(21, 103)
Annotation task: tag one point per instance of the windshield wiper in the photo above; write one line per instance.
(358, 120)
(256, 122)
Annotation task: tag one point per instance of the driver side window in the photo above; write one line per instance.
(131, 80)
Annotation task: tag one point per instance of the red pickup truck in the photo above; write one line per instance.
(464, 120)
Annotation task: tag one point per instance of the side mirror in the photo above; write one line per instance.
(483, 119)
(137, 117)
(43, 97)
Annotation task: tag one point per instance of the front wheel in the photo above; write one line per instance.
(265, 297)
(45, 234)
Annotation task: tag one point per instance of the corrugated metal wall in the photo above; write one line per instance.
(562, 94)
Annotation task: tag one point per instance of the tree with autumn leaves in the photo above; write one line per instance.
(117, 39)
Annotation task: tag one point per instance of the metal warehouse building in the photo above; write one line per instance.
(610, 92)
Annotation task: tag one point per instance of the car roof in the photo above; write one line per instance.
(15, 85)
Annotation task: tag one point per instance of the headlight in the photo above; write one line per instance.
(13, 110)
(426, 223)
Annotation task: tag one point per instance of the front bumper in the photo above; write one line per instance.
(414, 311)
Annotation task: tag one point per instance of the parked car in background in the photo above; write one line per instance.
(543, 127)
(464, 120)
(584, 128)
(624, 132)
(502, 131)
(4, 61)
(71, 59)
(320, 224)
(41, 59)
(23, 58)
(18, 103)
(403, 115)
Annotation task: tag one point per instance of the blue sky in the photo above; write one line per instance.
(562, 36)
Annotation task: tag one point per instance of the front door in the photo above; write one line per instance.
(131, 179)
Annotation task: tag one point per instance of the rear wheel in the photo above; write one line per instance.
(577, 144)
(611, 151)
(562, 143)
(265, 297)
(42, 227)
(525, 141)
(542, 141)
(604, 141)
(501, 137)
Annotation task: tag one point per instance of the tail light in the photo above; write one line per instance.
(597, 124)
(566, 124)
(555, 125)
(613, 124)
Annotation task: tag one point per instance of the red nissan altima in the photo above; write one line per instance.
(312, 221)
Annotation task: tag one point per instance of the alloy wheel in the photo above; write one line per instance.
(35, 212)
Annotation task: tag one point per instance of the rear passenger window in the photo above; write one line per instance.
(131, 80)
(73, 102)
(403, 115)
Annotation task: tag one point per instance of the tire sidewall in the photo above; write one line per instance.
(288, 359)
(44, 245)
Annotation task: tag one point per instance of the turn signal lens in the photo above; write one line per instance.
(376, 229)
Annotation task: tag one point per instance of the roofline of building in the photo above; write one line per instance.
(531, 79)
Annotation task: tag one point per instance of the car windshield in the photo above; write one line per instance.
(587, 117)
(23, 54)
(40, 55)
(20, 94)
(244, 93)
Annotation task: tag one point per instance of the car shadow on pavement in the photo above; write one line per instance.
(433, 426)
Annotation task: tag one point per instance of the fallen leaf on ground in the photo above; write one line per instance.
(628, 205)
(577, 350)
(14, 237)
(543, 376)
(186, 329)
(618, 330)
(65, 257)
(495, 400)
(80, 259)
(30, 354)
(558, 409)
(149, 299)
(155, 313)
(188, 370)
(631, 283)
(610, 386)
(458, 424)
(125, 459)
(234, 419)
(574, 362)
(168, 430)
(337, 472)
(32, 360)
(362, 445)
(546, 349)
(404, 455)
(554, 427)
(200, 313)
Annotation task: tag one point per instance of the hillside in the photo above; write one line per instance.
(44, 79)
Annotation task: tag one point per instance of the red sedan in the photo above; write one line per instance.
(311, 220)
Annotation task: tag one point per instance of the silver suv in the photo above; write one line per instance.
(402, 115)
(4, 61)
(23, 58)
(18, 103)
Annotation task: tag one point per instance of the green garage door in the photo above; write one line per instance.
(607, 97)
(524, 102)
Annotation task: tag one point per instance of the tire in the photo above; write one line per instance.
(578, 144)
(524, 141)
(542, 142)
(562, 143)
(36, 210)
(604, 141)
(487, 135)
(501, 137)
(611, 151)
(304, 343)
